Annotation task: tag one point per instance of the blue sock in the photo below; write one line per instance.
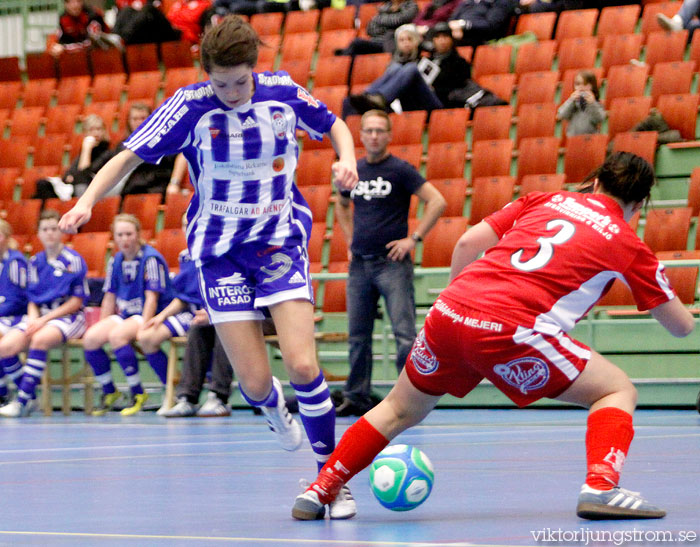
(12, 367)
(270, 400)
(318, 416)
(101, 364)
(36, 363)
(130, 365)
(159, 364)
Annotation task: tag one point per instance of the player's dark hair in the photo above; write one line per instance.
(230, 43)
(625, 176)
(49, 214)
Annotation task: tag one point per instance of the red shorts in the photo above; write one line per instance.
(459, 346)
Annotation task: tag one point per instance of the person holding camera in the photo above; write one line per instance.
(582, 109)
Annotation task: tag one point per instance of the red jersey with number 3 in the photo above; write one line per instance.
(558, 254)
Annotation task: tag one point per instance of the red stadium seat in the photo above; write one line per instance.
(440, 241)
(491, 60)
(680, 112)
(575, 24)
(641, 143)
(617, 20)
(448, 125)
(538, 156)
(536, 120)
(489, 194)
(583, 154)
(446, 160)
(491, 122)
(671, 78)
(491, 158)
(667, 229)
(542, 24)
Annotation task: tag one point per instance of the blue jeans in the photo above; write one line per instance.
(367, 280)
(689, 9)
(404, 82)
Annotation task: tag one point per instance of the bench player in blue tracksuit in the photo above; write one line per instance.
(137, 287)
(56, 290)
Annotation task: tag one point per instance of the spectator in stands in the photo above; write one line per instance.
(146, 178)
(474, 22)
(437, 11)
(381, 28)
(137, 287)
(582, 109)
(57, 290)
(423, 85)
(454, 70)
(536, 6)
(13, 304)
(686, 18)
(141, 22)
(380, 253)
(189, 17)
(76, 179)
(80, 26)
(222, 8)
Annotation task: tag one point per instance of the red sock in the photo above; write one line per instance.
(355, 451)
(608, 439)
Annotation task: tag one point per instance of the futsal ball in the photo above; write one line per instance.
(401, 477)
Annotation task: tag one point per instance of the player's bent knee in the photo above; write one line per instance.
(303, 371)
(255, 389)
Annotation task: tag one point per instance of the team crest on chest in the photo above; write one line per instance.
(130, 269)
(214, 132)
(422, 356)
(279, 125)
(525, 374)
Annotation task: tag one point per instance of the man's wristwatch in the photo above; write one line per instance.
(416, 237)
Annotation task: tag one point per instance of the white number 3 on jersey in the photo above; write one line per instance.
(565, 231)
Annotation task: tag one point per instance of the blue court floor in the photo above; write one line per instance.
(503, 477)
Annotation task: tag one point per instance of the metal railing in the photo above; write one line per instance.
(24, 25)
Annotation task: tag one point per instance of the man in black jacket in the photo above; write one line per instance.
(474, 22)
(454, 69)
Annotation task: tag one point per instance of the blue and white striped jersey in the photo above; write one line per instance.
(13, 284)
(130, 279)
(242, 161)
(51, 283)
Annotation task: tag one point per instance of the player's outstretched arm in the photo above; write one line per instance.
(345, 169)
(106, 178)
(675, 318)
(470, 245)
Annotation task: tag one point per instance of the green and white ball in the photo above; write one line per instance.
(401, 477)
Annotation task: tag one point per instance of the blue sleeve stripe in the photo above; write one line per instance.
(157, 122)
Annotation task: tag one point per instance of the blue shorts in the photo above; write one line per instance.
(179, 323)
(235, 287)
(71, 326)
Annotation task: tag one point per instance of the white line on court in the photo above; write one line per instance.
(305, 541)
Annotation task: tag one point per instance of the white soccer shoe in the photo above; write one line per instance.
(281, 421)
